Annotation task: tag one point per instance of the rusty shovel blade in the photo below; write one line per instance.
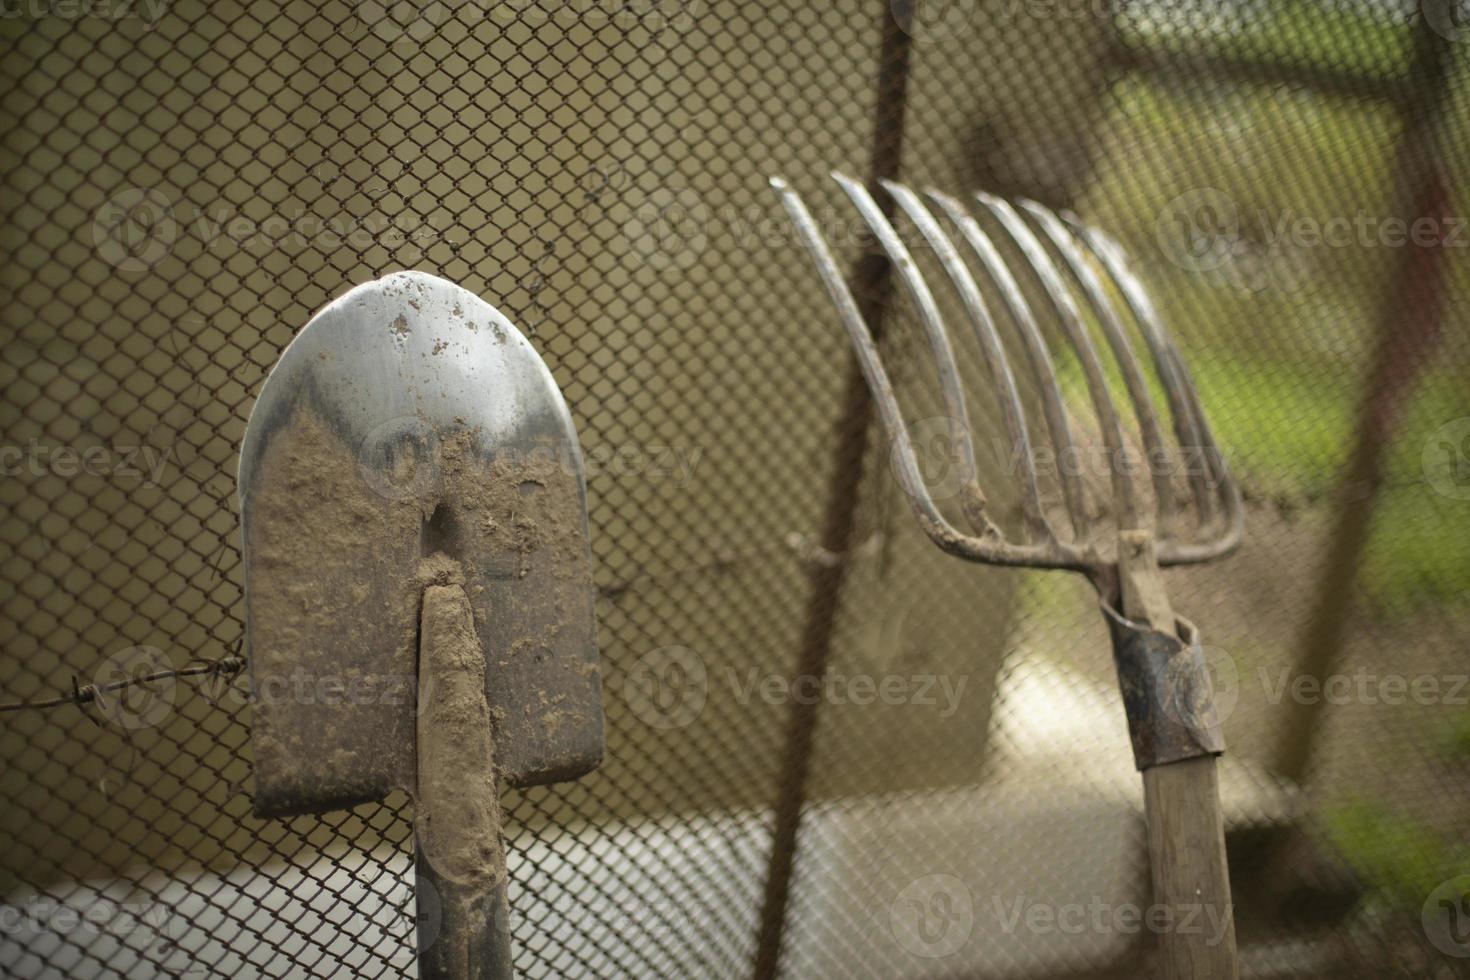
(410, 427)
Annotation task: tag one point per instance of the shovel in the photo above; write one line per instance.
(418, 588)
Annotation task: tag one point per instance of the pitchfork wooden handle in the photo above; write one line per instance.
(1186, 832)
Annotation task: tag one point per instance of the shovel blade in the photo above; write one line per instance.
(411, 435)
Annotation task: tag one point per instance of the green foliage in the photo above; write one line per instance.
(1301, 32)
(1281, 428)
(1454, 737)
(1399, 860)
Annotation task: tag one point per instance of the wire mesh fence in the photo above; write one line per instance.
(832, 750)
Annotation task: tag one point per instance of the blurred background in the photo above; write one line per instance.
(185, 183)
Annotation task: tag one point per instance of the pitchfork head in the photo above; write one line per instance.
(1178, 487)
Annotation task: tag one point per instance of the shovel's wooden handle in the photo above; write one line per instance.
(463, 917)
(1186, 832)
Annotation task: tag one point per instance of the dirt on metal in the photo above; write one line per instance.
(333, 548)
(458, 816)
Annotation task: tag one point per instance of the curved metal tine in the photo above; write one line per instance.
(1000, 367)
(1125, 495)
(1037, 355)
(1190, 423)
(972, 501)
(1156, 454)
(1233, 526)
(930, 519)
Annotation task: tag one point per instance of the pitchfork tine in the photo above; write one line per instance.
(1186, 424)
(1045, 376)
(1200, 437)
(1155, 453)
(990, 342)
(972, 499)
(1185, 416)
(870, 361)
(1124, 492)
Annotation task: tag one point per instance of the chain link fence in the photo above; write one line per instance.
(186, 183)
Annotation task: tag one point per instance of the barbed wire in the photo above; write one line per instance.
(83, 694)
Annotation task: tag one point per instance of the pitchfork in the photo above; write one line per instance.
(1161, 668)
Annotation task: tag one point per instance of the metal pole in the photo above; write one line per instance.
(1410, 326)
(872, 286)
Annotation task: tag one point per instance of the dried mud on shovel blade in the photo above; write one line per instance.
(335, 581)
